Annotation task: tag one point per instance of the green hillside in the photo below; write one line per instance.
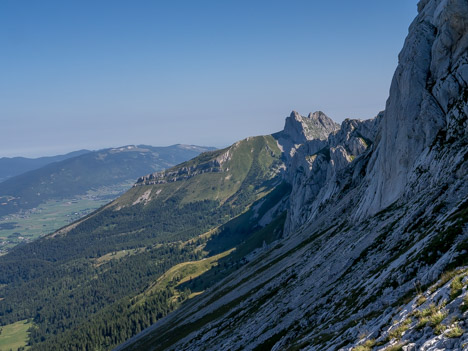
(77, 175)
(39, 202)
(131, 262)
(13, 166)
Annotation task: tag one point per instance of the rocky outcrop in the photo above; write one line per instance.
(179, 174)
(306, 133)
(185, 171)
(316, 177)
(316, 125)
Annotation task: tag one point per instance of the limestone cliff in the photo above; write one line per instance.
(428, 98)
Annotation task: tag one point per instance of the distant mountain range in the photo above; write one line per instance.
(13, 166)
(86, 170)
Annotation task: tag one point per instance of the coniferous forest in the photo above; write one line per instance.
(96, 283)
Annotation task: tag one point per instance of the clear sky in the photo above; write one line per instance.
(91, 74)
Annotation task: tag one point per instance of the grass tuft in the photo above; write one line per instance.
(444, 278)
(422, 323)
(454, 332)
(432, 316)
(398, 332)
(427, 311)
(367, 346)
(456, 287)
(464, 305)
(437, 317)
(421, 299)
(396, 347)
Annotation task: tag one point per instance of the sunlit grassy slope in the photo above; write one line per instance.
(249, 163)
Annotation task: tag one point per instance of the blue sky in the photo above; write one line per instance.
(93, 74)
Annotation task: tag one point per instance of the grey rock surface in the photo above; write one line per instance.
(427, 95)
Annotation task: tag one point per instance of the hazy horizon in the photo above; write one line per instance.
(87, 75)
(66, 151)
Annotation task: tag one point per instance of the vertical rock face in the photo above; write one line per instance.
(427, 96)
(304, 141)
(317, 175)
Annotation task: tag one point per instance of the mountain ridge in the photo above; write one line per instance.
(91, 170)
(13, 166)
(41, 201)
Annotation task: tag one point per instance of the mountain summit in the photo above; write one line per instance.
(316, 126)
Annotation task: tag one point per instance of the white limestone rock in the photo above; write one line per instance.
(425, 92)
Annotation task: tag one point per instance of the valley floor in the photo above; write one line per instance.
(29, 225)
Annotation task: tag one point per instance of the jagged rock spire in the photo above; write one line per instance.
(316, 126)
